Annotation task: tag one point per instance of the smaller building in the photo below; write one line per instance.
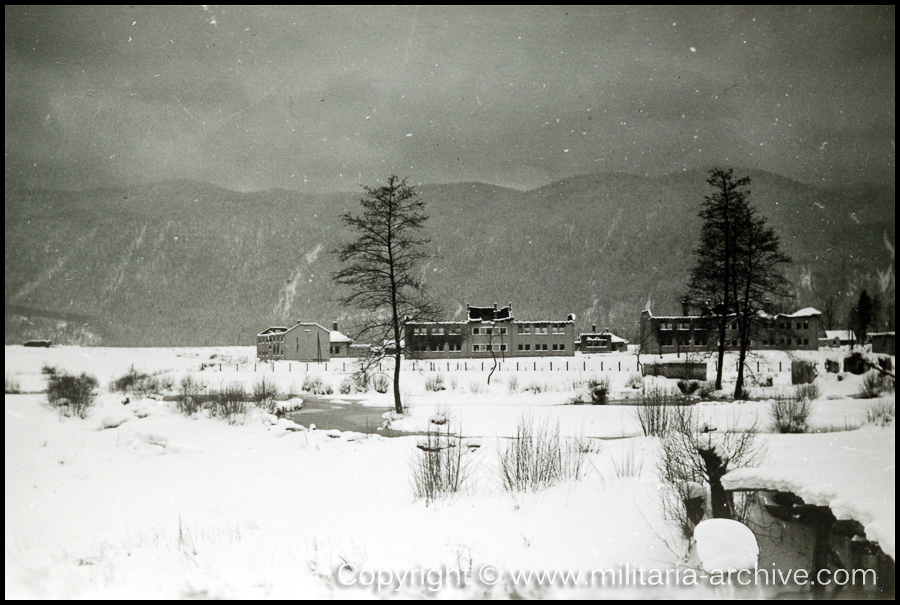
(838, 338)
(300, 342)
(883, 342)
(340, 343)
(601, 342)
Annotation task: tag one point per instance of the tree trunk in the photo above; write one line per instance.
(398, 405)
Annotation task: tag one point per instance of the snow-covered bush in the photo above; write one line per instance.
(874, 384)
(140, 384)
(72, 395)
(439, 468)
(512, 385)
(316, 384)
(598, 388)
(635, 380)
(264, 393)
(11, 384)
(809, 392)
(188, 398)
(346, 386)
(881, 412)
(790, 414)
(381, 383)
(654, 410)
(230, 403)
(538, 457)
(434, 382)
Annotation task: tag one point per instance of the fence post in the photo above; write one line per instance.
(601, 365)
(620, 366)
(551, 366)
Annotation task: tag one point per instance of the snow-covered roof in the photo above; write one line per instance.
(273, 330)
(338, 337)
(807, 312)
(490, 313)
(597, 335)
(840, 334)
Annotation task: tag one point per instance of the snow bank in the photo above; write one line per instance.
(724, 545)
(851, 472)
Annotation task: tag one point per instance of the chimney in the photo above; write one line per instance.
(334, 326)
(495, 306)
(594, 328)
(685, 306)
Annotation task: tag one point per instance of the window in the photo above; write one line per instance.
(562, 347)
(528, 347)
(454, 346)
(437, 331)
(540, 329)
(502, 331)
(476, 330)
(476, 348)
(559, 329)
(524, 329)
(521, 347)
(503, 347)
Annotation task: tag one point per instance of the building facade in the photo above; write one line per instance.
(300, 342)
(601, 342)
(693, 333)
(490, 332)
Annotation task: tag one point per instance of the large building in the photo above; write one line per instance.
(490, 331)
(700, 332)
(302, 342)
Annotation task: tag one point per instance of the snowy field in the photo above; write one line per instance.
(139, 500)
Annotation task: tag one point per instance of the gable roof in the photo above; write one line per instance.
(338, 337)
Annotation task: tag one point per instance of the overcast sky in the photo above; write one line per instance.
(320, 98)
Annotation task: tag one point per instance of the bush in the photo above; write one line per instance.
(136, 383)
(72, 395)
(598, 389)
(435, 382)
(346, 386)
(381, 383)
(512, 385)
(476, 387)
(230, 403)
(790, 414)
(264, 393)
(439, 469)
(316, 385)
(635, 380)
(11, 384)
(874, 384)
(808, 392)
(655, 411)
(538, 457)
(881, 412)
(188, 398)
(688, 387)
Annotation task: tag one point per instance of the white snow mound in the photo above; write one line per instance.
(724, 545)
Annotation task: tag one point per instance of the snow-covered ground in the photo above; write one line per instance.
(161, 505)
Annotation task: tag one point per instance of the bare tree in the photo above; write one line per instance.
(378, 270)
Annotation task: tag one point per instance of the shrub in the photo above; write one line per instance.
(381, 383)
(11, 384)
(598, 389)
(346, 386)
(790, 414)
(264, 393)
(476, 387)
(538, 457)
(136, 383)
(439, 468)
(688, 387)
(512, 385)
(188, 397)
(72, 395)
(635, 380)
(48, 370)
(881, 412)
(435, 382)
(316, 385)
(230, 403)
(630, 464)
(655, 412)
(874, 384)
(808, 392)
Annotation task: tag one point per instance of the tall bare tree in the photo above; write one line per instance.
(378, 269)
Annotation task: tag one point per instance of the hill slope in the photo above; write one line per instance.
(187, 263)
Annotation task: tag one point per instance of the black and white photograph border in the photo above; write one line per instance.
(449, 301)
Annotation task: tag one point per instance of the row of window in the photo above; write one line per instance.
(501, 330)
